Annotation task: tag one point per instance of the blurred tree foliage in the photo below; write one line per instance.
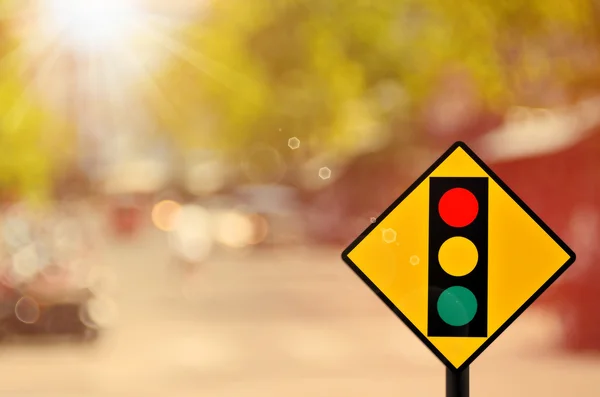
(335, 73)
(32, 141)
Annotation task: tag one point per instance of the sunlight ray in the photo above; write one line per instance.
(9, 11)
(11, 58)
(192, 57)
(16, 113)
(152, 88)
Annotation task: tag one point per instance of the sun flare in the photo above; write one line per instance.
(92, 25)
(91, 61)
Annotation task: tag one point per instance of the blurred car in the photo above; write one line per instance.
(37, 308)
(43, 280)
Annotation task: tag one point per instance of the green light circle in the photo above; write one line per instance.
(457, 306)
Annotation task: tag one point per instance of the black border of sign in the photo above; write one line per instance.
(520, 311)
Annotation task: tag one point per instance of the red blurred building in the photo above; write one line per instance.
(563, 187)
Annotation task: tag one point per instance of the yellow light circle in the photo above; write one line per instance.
(458, 256)
(261, 229)
(163, 214)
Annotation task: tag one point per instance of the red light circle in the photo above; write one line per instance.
(458, 207)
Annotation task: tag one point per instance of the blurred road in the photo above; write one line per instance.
(274, 323)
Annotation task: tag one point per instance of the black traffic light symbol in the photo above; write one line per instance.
(458, 257)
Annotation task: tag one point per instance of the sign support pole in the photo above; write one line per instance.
(457, 383)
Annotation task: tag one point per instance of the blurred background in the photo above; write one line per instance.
(178, 179)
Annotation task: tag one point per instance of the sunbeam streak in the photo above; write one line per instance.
(194, 58)
(17, 113)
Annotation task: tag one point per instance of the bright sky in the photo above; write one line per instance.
(92, 24)
(85, 57)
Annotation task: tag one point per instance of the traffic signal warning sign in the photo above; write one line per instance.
(467, 259)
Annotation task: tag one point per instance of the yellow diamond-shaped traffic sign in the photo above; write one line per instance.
(458, 257)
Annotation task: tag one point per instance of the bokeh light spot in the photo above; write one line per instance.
(294, 143)
(324, 173)
(261, 228)
(191, 237)
(164, 213)
(101, 312)
(27, 310)
(26, 262)
(389, 235)
(234, 229)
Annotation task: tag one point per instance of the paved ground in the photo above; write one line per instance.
(281, 323)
